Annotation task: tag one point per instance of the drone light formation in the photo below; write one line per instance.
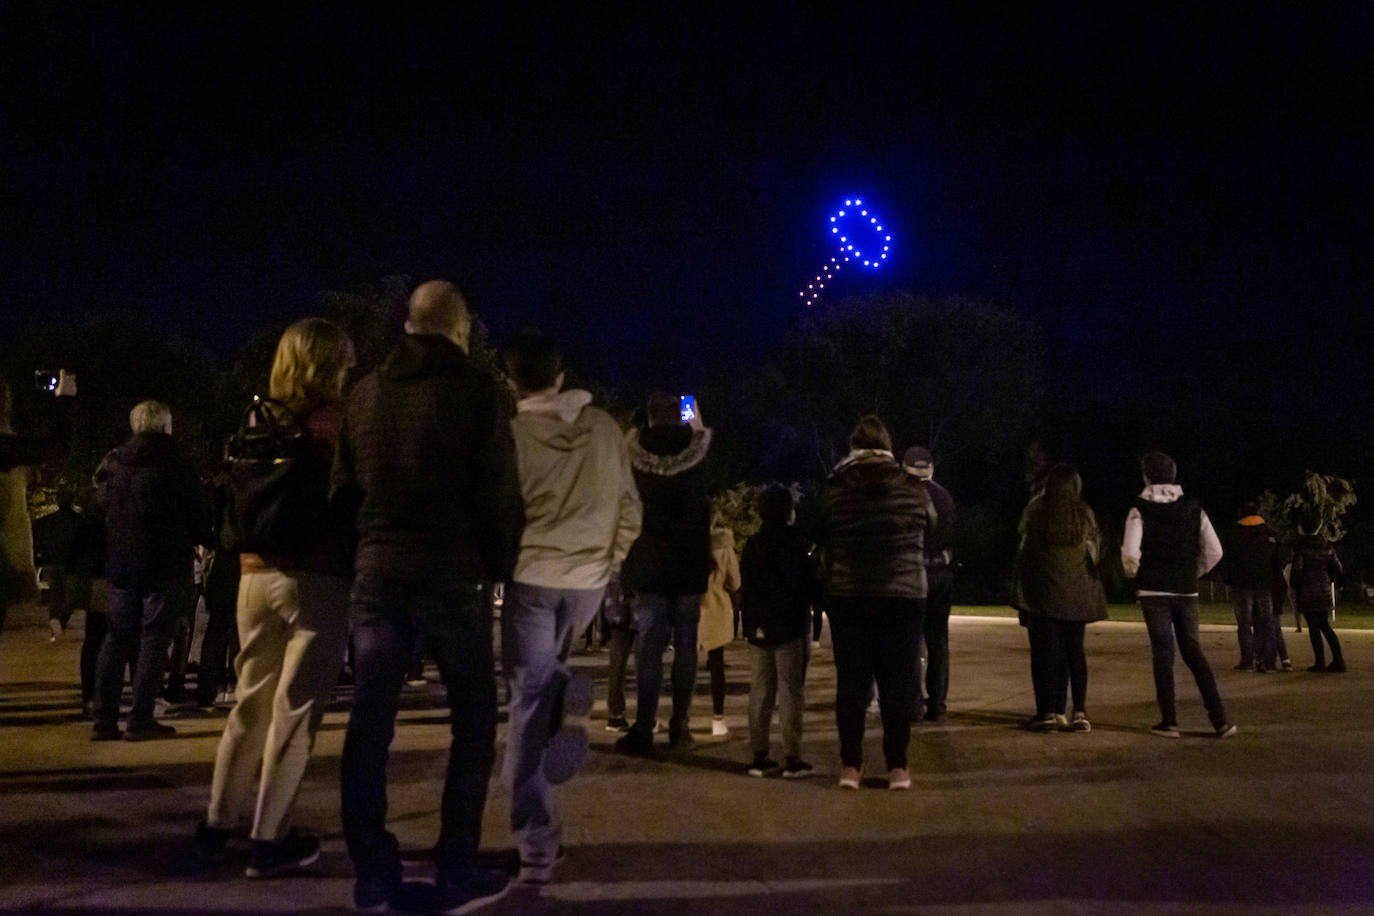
(853, 229)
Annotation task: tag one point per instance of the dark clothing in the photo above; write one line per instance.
(326, 545)
(935, 633)
(873, 524)
(456, 626)
(1251, 555)
(1319, 626)
(660, 617)
(875, 639)
(151, 502)
(778, 585)
(426, 467)
(1315, 569)
(1254, 626)
(221, 608)
(939, 536)
(92, 641)
(142, 623)
(1170, 545)
(1058, 661)
(672, 555)
(1059, 580)
(21, 451)
(1170, 617)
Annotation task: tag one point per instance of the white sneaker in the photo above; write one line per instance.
(55, 627)
(718, 727)
(849, 778)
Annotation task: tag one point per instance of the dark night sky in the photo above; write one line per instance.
(1160, 187)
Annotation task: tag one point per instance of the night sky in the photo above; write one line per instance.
(1180, 197)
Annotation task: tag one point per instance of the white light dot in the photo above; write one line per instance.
(863, 212)
(880, 228)
(872, 220)
(848, 203)
(887, 238)
(841, 213)
(833, 229)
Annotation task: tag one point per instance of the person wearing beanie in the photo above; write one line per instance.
(1169, 543)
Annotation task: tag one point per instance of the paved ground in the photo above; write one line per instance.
(1278, 819)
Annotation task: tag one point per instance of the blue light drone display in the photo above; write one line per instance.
(859, 237)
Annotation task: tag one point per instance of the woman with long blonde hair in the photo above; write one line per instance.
(293, 624)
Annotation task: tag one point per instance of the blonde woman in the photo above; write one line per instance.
(292, 623)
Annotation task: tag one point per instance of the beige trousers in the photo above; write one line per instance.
(292, 629)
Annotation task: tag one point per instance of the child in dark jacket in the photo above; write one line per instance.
(778, 586)
(1314, 570)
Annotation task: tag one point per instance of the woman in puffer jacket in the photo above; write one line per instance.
(874, 520)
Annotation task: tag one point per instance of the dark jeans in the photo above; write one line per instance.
(1318, 626)
(658, 617)
(620, 642)
(1169, 618)
(141, 626)
(935, 633)
(715, 664)
(1067, 663)
(875, 638)
(69, 592)
(1254, 629)
(817, 621)
(456, 625)
(97, 626)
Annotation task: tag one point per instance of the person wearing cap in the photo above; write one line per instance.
(1169, 543)
(920, 464)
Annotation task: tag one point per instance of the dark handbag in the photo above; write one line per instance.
(273, 499)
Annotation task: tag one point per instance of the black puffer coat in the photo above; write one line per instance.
(874, 519)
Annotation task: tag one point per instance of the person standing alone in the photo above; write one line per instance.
(1169, 543)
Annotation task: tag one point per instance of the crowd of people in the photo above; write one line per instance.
(428, 484)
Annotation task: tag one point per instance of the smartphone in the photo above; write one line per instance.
(44, 380)
(689, 408)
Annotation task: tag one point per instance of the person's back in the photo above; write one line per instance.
(1315, 569)
(777, 585)
(1251, 548)
(575, 481)
(427, 447)
(672, 554)
(875, 516)
(151, 503)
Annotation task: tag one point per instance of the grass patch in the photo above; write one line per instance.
(1349, 615)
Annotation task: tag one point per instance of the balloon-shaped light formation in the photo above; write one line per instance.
(854, 229)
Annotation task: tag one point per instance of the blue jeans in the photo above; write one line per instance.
(1254, 629)
(456, 625)
(141, 628)
(659, 616)
(1169, 618)
(537, 629)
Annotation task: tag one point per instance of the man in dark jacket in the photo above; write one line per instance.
(150, 498)
(668, 565)
(1251, 564)
(939, 564)
(426, 465)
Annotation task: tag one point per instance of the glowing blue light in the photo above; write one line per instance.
(833, 229)
(863, 212)
(850, 250)
(847, 203)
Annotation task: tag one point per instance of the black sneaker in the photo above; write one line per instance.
(476, 889)
(1285, 664)
(150, 732)
(1336, 668)
(635, 743)
(617, 724)
(295, 850)
(1165, 730)
(680, 740)
(1318, 668)
(374, 895)
(935, 715)
(796, 768)
(106, 732)
(761, 765)
(211, 842)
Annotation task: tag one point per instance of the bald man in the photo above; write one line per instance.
(426, 467)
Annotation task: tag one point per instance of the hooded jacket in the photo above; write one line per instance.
(779, 583)
(874, 520)
(426, 468)
(153, 515)
(672, 555)
(582, 511)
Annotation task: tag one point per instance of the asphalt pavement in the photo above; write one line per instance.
(1279, 818)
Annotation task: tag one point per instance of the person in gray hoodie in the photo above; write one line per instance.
(582, 513)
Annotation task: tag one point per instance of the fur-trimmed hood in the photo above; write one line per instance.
(660, 450)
